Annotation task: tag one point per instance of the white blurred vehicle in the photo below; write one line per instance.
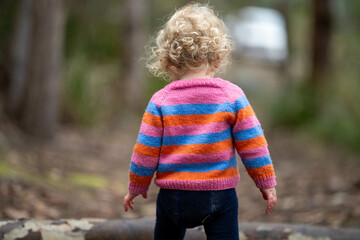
(260, 34)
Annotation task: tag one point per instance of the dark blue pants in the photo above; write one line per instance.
(177, 210)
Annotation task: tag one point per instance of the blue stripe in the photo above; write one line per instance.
(148, 140)
(153, 109)
(187, 109)
(197, 167)
(248, 133)
(197, 139)
(241, 102)
(257, 162)
(141, 171)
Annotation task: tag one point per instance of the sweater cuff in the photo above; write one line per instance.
(135, 189)
(268, 182)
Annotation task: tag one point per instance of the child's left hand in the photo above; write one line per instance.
(269, 194)
(129, 200)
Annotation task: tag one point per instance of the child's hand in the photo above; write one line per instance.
(269, 194)
(129, 200)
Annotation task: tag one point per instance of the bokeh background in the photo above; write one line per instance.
(73, 88)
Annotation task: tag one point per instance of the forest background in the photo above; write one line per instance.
(73, 88)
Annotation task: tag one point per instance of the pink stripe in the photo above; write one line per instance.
(266, 182)
(196, 129)
(144, 161)
(197, 158)
(137, 189)
(158, 96)
(196, 95)
(233, 92)
(254, 153)
(246, 123)
(208, 86)
(200, 185)
(150, 130)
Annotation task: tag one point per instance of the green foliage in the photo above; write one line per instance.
(329, 117)
(154, 84)
(94, 30)
(92, 52)
(295, 106)
(340, 127)
(88, 180)
(22, 173)
(7, 17)
(5, 169)
(88, 91)
(79, 105)
(331, 113)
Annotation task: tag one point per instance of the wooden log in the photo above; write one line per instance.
(279, 231)
(142, 229)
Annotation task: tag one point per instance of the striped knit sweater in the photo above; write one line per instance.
(189, 134)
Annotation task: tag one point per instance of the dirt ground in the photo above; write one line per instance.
(84, 174)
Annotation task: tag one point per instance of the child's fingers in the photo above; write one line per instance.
(268, 208)
(131, 204)
(128, 204)
(270, 205)
(269, 194)
(129, 200)
(125, 205)
(265, 197)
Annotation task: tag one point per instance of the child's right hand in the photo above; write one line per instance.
(129, 200)
(269, 194)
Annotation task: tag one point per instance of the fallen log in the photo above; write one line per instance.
(142, 229)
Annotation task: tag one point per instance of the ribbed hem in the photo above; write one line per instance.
(266, 182)
(137, 189)
(199, 185)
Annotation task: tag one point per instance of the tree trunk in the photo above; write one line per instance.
(284, 7)
(133, 78)
(41, 92)
(19, 56)
(101, 229)
(321, 41)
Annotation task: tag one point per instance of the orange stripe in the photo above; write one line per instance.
(198, 148)
(216, 174)
(261, 172)
(152, 119)
(244, 113)
(197, 119)
(250, 143)
(140, 180)
(146, 151)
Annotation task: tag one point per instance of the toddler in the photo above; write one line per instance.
(191, 129)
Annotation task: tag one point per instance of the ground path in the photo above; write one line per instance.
(84, 174)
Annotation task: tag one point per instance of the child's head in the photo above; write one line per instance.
(192, 38)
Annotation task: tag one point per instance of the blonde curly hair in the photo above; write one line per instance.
(192, 37)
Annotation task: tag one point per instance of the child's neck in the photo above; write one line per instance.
(201, 73)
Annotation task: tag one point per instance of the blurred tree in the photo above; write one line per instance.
(283, 6)
(135, 30)
(322, 27)
(36, 57)
(19, 54)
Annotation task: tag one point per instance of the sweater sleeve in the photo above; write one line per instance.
(251, 144)
(144, 160)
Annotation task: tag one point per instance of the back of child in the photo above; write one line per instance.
(191, 129)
